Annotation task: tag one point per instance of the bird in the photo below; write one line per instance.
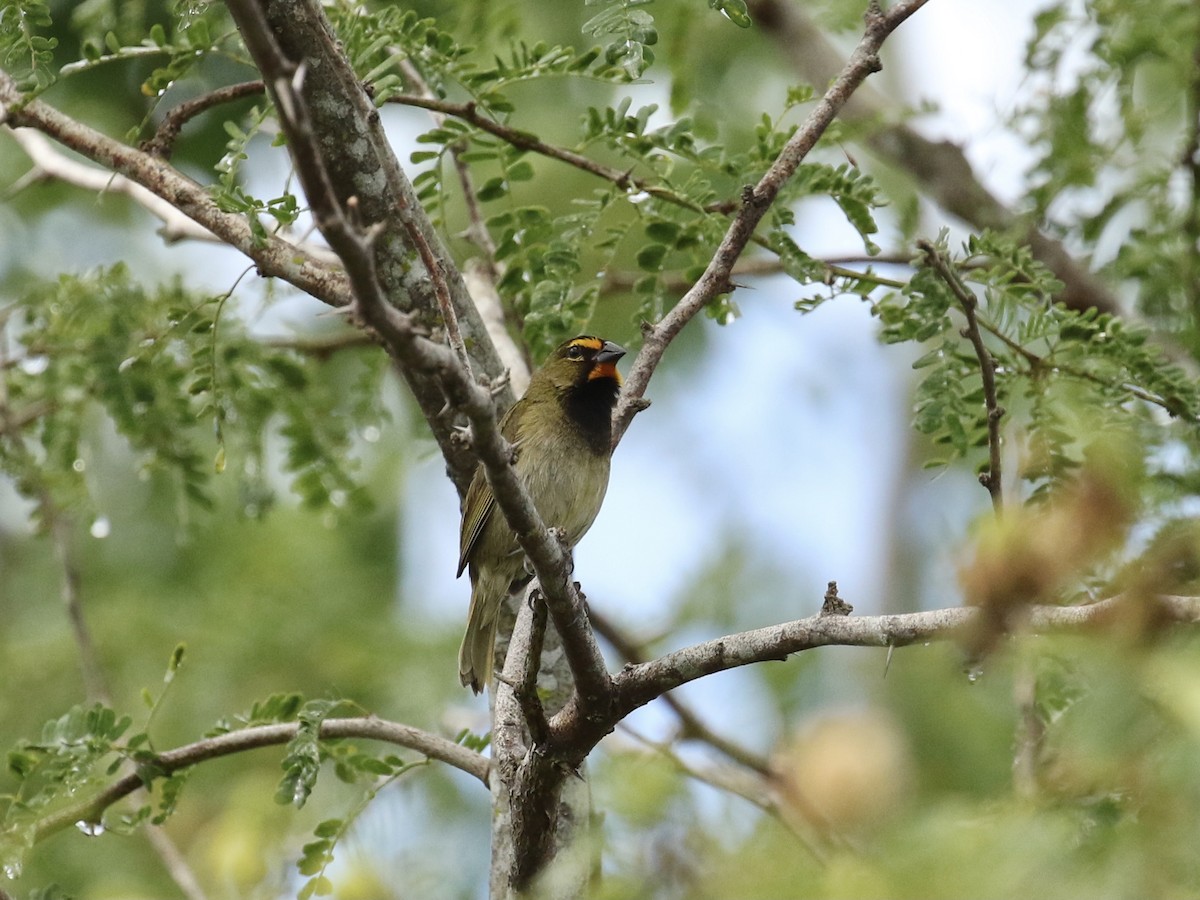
(561, 433)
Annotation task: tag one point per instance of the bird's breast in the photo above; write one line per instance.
(567, 485)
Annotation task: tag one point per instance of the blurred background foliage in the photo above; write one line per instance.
(215, 462)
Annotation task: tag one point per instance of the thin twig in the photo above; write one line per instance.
(176, 864)
(321, 347)
(992, 478)
(754, 788)
(476, 230)
(367, 727)
(756, 201)
(162, 144)
(61, 528)
(692, 727)
(484, 275)
(12, 421)
(524, 140)
(95, 683)
(758, 266)
(441, 290)
(1031, 731)
(1037, 362)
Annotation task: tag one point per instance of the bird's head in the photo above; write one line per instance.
(584, 361)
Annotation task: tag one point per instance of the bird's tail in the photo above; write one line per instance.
(476, 655)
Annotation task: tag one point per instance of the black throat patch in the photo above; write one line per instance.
(589, 405)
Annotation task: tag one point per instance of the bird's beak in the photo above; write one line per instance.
(604, 363)
(610, 352)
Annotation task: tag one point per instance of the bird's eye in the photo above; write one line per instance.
(574, 352)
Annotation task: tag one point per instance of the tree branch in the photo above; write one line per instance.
(940, 168)
(753, 787)
(692, 727)
(991, 479)
(755, 202)
(175, 862)
(94, 682)
(272, 255)
(639, 684)
(482, 273)
(369, 727)
(523, 140)
(349, 160)
(163, 142)
(529, 637)
(50, 163)
(435, 363)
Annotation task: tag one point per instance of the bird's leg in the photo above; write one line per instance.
(561, 536)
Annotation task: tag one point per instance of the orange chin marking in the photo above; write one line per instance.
(605, 370)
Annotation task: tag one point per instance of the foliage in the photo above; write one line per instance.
(1051, 363)
(157, 362)
(25, 52)
(1123, 130)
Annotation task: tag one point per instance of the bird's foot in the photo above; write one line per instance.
(561, 536)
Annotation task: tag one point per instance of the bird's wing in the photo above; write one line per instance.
(476, 512)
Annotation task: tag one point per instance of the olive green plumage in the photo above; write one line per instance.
(562, 433)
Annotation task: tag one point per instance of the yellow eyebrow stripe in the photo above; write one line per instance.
(588, 343)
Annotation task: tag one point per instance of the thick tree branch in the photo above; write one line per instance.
(369, 727)
(273, 256)
(528, 639)
(639, 684)
(533, 833)
(691, 726)
(755, 203)
(434, 362)
(365, 186)
(50, 163)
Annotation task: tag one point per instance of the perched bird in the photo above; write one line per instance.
(561, 431)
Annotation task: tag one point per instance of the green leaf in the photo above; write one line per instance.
(492, 189)
(650, 258)
(329, 828)
(522, 171)
(662, 231)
